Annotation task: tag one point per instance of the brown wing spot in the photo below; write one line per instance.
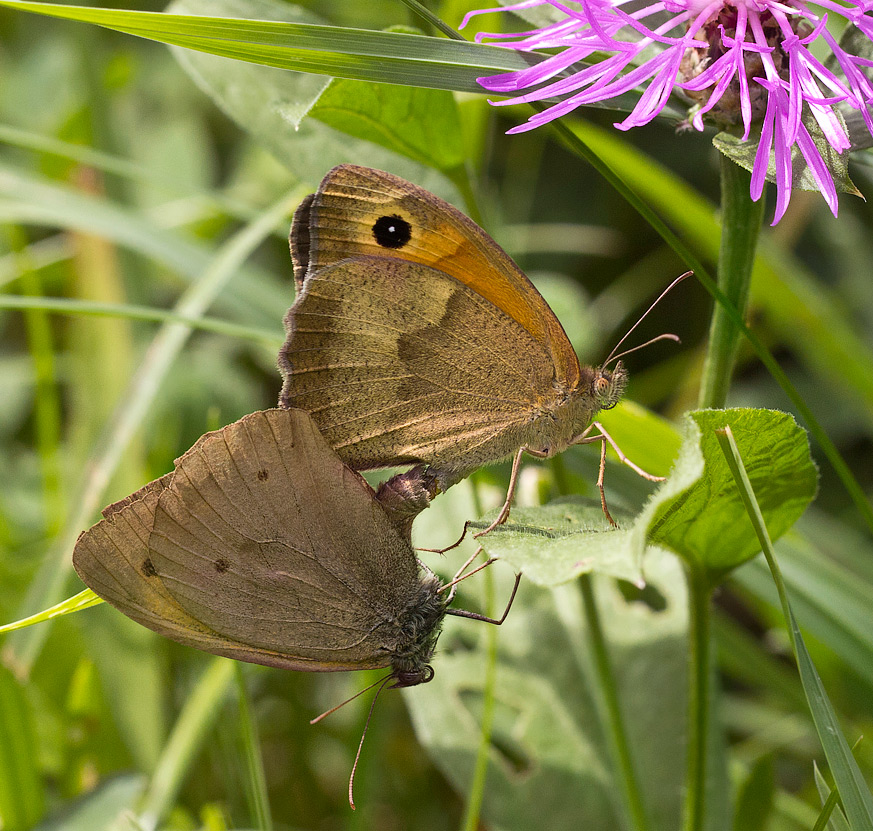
(221, 566)
(263, 475)
(392, 231)
(148, 568)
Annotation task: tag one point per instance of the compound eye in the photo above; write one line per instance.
(601, 385)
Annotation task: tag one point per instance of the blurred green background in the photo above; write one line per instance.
(150, 194)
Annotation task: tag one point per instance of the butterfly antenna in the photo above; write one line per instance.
(348, 700)
(383, 682)
(661, 296)
(665, 336)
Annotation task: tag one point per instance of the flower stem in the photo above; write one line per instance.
(699, 697)
(621, 753)
(470, 821)
(740, 224)
(615, 721)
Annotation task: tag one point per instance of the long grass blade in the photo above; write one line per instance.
(83, 600)
(358, 54)
(853, 790)
(67, 306)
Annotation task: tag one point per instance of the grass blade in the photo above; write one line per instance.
(256, 781)
(83, 600)
(63, 305)
(850, 784)
(358, 54)
(199, 714)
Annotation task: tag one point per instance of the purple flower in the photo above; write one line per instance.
(742, 62)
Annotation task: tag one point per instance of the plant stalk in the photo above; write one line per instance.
(606, 684)
(476, 795)
(740, 225)
(699, 697)
(636, 812)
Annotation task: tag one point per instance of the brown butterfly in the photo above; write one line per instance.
(263, 546)
(414, 338)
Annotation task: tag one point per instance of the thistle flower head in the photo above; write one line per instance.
(744, 64)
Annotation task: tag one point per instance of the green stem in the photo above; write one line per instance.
(699, 697)
(606, 683)
(615, 721)
(470, 821)
(740, 224)
(256, 781)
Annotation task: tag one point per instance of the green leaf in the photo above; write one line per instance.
(744, 152)
(549, 733)
(695, 513)
(555, 543)
(83, 600)
(386, 57)
(272, 106)
(649, 439)
(22, 801)
(422, 124)
(698, 513)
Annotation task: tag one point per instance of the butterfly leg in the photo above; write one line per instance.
(635, 468)
(455, 544)
(510, 491)
(484, 618)
(603, 437)
(452, 585)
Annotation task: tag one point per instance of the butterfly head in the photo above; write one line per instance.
(609, 385)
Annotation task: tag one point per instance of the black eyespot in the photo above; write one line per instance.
(392, 231)
(221, 566)
(148, 568)
(263, 475)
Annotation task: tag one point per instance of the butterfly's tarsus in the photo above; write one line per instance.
(484, 618)
(455, 544)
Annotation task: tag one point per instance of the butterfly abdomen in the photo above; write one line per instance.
(418, 629)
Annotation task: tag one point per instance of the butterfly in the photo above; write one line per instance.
(415, 339)
(262, 545)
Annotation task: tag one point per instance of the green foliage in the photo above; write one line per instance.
(549, 733)
(138, 192)
(700, 517)
(695, 513)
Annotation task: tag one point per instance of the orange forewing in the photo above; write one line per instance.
(337, 222)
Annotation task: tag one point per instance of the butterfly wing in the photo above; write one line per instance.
(113, 559)
(398, 362)
(352, 215)
(267, 538)
(260, 546)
